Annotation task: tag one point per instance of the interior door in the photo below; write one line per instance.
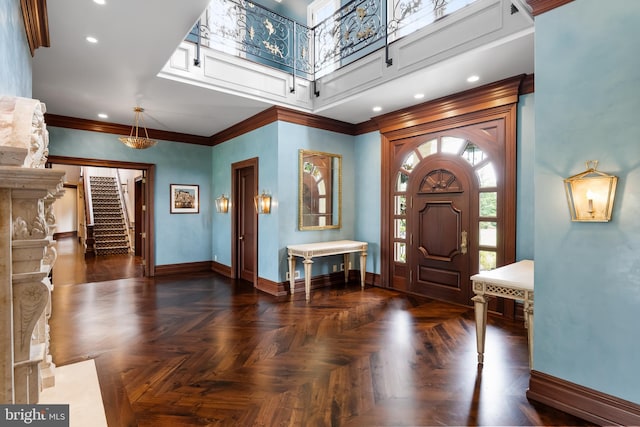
(138, 217)
(246, 221)
(439, 228)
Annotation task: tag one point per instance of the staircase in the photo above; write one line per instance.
(110, 229)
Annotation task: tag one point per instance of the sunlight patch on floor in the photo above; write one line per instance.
(77, 385)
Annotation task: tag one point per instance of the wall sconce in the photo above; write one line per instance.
(590, 194)
(263, 203)
(222, 204)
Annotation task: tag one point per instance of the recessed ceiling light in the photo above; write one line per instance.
(418, 95)
(376, 109)
(473, 78)
(100, 2)
(91, 39)
(103, 116)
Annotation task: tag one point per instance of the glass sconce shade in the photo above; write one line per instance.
(263, 203)
(222, 204)
(590, 194)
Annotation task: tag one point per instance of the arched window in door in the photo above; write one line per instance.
(488, 220)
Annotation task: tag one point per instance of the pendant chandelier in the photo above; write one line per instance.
(134, 140)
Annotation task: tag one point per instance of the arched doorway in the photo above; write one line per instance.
(449, 192)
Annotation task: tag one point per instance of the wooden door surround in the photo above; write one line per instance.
(147, 215)
(497, 101)
(244, 248)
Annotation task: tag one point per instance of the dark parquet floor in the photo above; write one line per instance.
(201, 349)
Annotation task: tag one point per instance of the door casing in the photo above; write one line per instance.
(248, 209)
(496, 101)
(148, 170)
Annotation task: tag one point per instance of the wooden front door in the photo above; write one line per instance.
(448, 211)
(245, 262)
(439, 226)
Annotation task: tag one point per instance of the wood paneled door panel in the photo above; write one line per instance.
(245, 218)
(438, 226)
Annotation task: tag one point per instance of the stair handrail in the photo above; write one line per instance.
(88, 206)
(89, 240)
(123, 205)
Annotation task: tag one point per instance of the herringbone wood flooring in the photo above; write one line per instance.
(205, 350)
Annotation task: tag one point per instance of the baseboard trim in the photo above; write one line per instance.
(583, 402)
(372, 279)
(187, 267)
(271, 287)
(277, 289)
(323, 281)
(225, 270)
(64, 234)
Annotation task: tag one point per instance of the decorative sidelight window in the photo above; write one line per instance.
(484, 171)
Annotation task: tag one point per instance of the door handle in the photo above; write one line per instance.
(463, 242)
(241, 238)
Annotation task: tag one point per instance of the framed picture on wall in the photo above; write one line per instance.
(185, 198)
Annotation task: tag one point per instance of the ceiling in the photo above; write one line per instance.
(136, 37)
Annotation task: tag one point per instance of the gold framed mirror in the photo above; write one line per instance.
(319, 190)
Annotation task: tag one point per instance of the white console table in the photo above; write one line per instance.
(311, 250)
(513, 281)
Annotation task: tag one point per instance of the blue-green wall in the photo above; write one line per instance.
(15, 58)
(276, 146)
(293, 138)
(524, 192)
(368, 183)
(587, 275)
(263, 144)
(179, 238)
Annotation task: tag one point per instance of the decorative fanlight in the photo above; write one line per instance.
(134, 140)
(590, 194)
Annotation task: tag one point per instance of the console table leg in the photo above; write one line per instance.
(292, 273)
(528, 319)
(347, 258)
(480, 306)
(363, 268)
(307, 277)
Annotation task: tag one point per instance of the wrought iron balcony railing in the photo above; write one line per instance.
(246, 29)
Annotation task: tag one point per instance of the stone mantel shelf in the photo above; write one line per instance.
(30, 178)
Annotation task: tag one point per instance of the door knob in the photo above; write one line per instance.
(241, 238)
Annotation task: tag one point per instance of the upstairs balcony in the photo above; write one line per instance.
(242, 48)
